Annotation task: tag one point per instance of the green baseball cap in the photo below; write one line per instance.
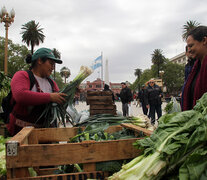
(45, 52)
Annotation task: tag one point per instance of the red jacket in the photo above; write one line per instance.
(200, 85)
(25, 99)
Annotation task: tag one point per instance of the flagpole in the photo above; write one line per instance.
(102, 69)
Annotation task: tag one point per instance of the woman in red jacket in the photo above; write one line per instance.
(196, 84)
(30, 101)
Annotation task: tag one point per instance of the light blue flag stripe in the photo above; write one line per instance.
(98, 58)
(97, 65)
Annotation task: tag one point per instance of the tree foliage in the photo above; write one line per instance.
(16, 60)
(137, 73)
(158, 59)
(146, 76)
(173, 77)
(16, 57)
(58, 80)
(32, 34)
(188, 27)
(57, 55)
(65, 72)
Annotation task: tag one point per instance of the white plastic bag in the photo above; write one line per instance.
(130, 110)
(176, 106)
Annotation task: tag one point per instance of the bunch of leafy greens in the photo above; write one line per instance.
(176, 150)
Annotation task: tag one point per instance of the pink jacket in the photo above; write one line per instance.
(24, 98)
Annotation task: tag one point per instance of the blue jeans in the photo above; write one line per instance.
(158, 110)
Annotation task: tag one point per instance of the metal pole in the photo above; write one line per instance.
(7, 19)
(102, 70)
(6, 49)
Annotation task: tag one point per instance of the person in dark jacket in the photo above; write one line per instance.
(142, 98)
(153, 100)
(106, 88)
(188, 68)
(126, 98)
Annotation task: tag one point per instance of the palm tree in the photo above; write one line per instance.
(57, 55)
(65, 72)
(32, 34)
(138, 73)
(188, 27)
(158, 59)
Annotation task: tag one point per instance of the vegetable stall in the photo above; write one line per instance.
(107, 146)
(100, 141)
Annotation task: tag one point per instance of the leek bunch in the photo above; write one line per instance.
(54, 112)
(141, 121)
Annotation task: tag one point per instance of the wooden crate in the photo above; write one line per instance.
(33, 147)
(100, 102)
(2, 129)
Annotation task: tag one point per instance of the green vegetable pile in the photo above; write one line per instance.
(96, 132)
(140, 120)
(176, 150)
(95, 127)
(2, 156)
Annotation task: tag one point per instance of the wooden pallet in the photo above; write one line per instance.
(33, 147)
(101, 102)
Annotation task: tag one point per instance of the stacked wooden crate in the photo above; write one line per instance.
(39, 147)
(101, 102)
(2, 129)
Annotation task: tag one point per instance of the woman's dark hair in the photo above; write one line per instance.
(198, 33)
(186, 48)
(29, 60)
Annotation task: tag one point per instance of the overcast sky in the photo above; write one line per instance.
(126, 31)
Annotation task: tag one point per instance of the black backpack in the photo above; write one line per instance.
(8, 102)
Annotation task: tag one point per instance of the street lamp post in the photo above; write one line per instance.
(7, 19)
(161, 74)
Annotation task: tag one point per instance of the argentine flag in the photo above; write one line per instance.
(97, 63)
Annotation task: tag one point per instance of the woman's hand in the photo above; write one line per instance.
(57, 97)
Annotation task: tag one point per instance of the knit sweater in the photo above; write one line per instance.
(25, 98)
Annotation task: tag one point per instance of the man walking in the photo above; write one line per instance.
(142, 98)
(153, 100)
(126, 98)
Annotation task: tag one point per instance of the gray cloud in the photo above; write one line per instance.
(126, 31)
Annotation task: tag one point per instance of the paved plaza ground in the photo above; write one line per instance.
(135, 109)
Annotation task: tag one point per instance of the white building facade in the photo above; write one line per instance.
(179, 59)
